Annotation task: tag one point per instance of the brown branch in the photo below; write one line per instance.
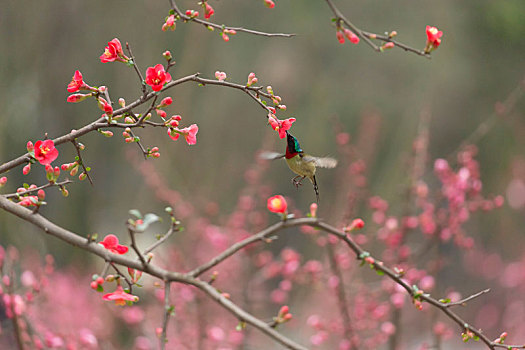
(137, 70)
(49, 184)
(189, 278)
(360, 254)
(221, 26)
(341, 296)
(252, 91)
(463, 302)
(162, 239)
(168, 309)
(151, 269)
(131, 232)
(367, 36)
(80, 161)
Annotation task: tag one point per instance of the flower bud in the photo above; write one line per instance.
(167, 55)
(252, 79)
(3, 181)
(122, 102)
(387, 46)
(41, 194)
(75, 98)
(74, 171)
(166, 102)
(30, 147)
(26, 169)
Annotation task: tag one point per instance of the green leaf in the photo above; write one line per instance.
(88, 168)
(445, 301)
(148, 220)
(380, 273)
(364, 255)
(100, 289)
(136, 213)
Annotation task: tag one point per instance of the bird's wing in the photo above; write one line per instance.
(270, 155)
(321, 162)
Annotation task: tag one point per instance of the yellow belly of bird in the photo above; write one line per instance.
(300, 167)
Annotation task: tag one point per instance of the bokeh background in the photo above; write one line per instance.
(378, 99)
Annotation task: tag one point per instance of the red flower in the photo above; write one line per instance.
(113, 52)
(277, 204)
(433, 38)
(280, 125)
(208, 11)
(156, 77)
(110, 242)
(45, 151)
(120, 297)
(76, 82)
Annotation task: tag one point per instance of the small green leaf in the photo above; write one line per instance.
(445, 301)
(380, 273)
(100, 289)
(148, 220)
(88, 169)
(364, 255)
(136, 213)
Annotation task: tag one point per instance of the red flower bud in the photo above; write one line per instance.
(340, 37)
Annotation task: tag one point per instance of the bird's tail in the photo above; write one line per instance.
(316, 189)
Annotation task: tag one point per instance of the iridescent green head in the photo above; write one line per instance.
(293, 144)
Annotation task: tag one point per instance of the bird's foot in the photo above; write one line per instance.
(296, 182)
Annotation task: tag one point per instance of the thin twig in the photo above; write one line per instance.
(137, 70)
(131, 232)
(49, 184)
(367, 36)
(80, 161)
(341, 297)
(168, 309)
(160, 241)
(463, 302)
(221, 26)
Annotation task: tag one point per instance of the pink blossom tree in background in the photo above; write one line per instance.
(195, 277)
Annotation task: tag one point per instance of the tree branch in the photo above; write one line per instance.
(222, 26)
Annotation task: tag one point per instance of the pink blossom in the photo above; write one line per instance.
(120, 297)
(220, 75)
(280, 126)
